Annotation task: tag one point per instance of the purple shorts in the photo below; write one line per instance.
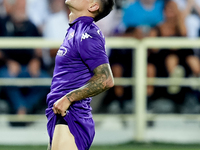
(82, 128)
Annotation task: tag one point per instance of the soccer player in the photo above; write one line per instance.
(81, 71)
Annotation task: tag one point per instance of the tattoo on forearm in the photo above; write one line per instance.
(97, 84)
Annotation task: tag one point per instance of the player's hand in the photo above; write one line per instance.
(61, 106)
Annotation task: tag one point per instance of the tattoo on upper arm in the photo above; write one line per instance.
(102, 70)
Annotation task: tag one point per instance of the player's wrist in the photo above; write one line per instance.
(68, 99)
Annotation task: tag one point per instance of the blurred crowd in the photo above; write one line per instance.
(29, 18)
(130, 18)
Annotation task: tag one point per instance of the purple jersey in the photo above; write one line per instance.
(83, 50)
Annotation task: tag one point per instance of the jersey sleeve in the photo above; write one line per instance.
(92, 49)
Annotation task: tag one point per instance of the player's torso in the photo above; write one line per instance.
(70, 70)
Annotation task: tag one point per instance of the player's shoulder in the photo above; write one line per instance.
(92, 30)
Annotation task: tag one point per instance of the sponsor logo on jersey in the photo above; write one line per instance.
(85, 36)
(62, 51)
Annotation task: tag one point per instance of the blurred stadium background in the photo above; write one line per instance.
(136, 129)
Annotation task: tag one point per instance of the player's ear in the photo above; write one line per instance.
(93, 7)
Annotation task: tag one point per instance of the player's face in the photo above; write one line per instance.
(67, 2)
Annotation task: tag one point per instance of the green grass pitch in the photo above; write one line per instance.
(128, 146)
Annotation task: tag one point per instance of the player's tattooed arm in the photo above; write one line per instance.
(100, 82)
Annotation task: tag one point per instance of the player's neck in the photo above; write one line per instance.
(74, 15)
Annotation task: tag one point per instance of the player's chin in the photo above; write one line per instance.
(67, 1)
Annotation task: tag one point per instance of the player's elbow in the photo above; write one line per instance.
(110, 83)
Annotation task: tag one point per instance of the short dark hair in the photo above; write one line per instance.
(105, 8)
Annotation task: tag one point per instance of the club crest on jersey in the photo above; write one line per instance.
(85, 36)
(62, 51)
(71, 35)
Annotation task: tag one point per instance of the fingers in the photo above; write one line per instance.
(60, 106)
(54, 110)
(63, 113)
(58, 111)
